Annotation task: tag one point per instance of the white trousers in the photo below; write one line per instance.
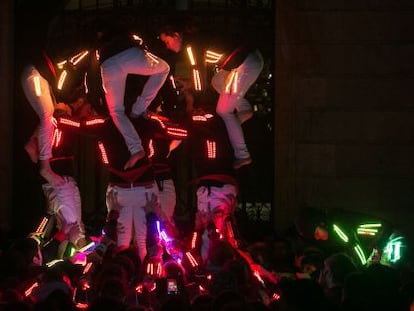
(65, 202)
(39, 95)
(114, 75)
(232, 87)
(132, 224)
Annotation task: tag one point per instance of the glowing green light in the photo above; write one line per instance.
(72, 251)
(396, 239)
(340, 233)
(373, 225)
(360, 254)
(393, 250)
(367, 231)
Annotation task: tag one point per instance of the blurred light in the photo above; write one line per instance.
(340, 233)
(42, 225)
(191, 56)
(211, 149)
(393, 249)
(36, 81)
(53, 262)
(360, 254)
(28, 291)
(104, 155)
(197, 80)
(69, 122)
(62, 79)
(212, 57)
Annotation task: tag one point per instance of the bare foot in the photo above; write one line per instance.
(134, 159)
(52, 178)
(32, 150)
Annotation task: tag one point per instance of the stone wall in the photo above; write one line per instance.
(344, 108)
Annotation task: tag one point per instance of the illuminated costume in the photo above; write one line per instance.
(47, 82)
(46, 85)
(132, 191)
(120, 55)
(161, 146)
(232, 82)
(235, 71)
(217, 188)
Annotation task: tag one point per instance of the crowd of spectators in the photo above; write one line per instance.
(273, 274)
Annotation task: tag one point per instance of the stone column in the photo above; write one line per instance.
(6, 115)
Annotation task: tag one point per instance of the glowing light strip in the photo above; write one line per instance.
(192, 260)
(156, 118)
(53, 262)
(367, 230)
(85, 286)
(87, 268)
(176, 132)
(86, 247)
(158, 224)
(152, 57)
(164, 236)
(61, 64)
(393, 251)
(104, 155)
(159, 269)
(194, 240)
(212, 57)
(174, 85)
(258, 277)
(28, 291)
(228, 86)
(211, 149)
(57, 137)
(396, 239)
(397, 251)
(191, 56)
(362, 232)
(151, 149)
(138, 39)
(154, 287)
(374, 225)
(62, 79)
(85, 83)
(199, 118)
(232, 84)
(150, 268)
(95, 121)
(78, 57)
(36, 81)
(340, 233)
(72, 251)
(82, 306)
(69, 122)
(360, 254)
(235, 83)
(197, 80)
(42, 225)
(276, 296)
(230, 229)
